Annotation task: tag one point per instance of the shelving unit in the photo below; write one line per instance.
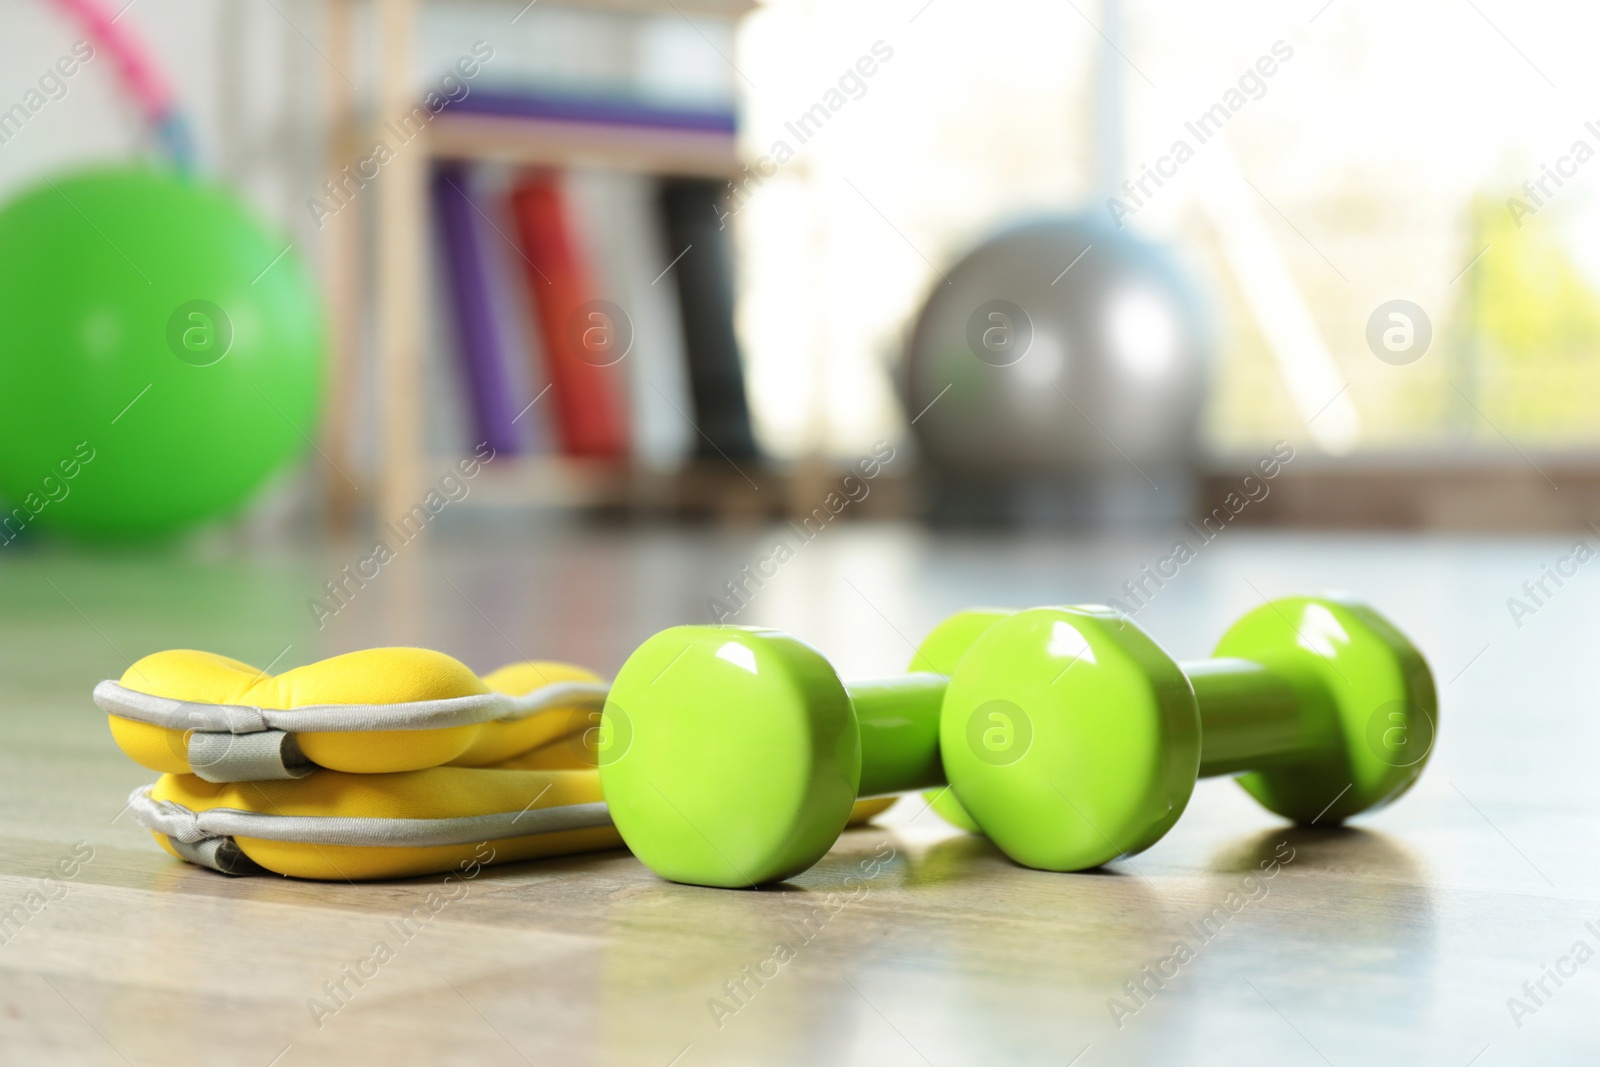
(398, 295)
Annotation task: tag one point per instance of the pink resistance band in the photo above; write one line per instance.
(141, 77)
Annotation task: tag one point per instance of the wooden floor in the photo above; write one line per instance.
(1401, 940)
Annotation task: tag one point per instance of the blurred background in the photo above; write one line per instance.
(1067, 264)
(523, 330)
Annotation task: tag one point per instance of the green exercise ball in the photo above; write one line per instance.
(160, 354)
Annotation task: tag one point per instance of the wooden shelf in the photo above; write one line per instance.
(550, 481)
(713, 487)
(538, 142)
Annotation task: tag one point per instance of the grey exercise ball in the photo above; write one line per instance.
(1064, 347)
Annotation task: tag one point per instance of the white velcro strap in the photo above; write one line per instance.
(117, 699)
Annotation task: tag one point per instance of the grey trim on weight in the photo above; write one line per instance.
(190, 828)
(116, 699)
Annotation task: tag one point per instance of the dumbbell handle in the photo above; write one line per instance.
(899, 721)
(1249, 716)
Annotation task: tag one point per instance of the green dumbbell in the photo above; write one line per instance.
(733, 755)
(1071, 738)
(1068, 735)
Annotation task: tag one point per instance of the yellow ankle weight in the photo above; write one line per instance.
(377, 711)
(337, 826)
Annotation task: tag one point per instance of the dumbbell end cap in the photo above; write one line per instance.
(1070, 737)
(730, 755)
(1370, 696)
